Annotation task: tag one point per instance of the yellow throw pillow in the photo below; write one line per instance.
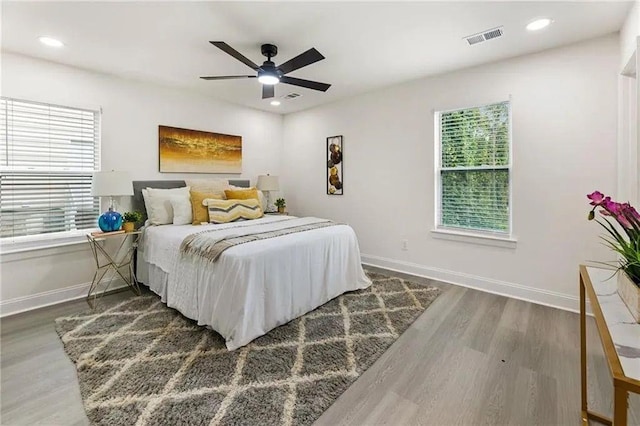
(224, 211)
(199, 211)
(241, 194)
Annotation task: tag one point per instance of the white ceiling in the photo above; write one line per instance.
(367, 45)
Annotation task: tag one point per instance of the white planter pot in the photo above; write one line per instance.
(630, 294)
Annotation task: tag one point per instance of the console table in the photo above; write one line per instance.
(620, 338)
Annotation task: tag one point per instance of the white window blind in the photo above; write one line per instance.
(474, 166)
(48, 154)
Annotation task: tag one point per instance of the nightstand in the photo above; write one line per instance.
(120, 258)
(276, 213)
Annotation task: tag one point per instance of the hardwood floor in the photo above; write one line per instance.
(472, 358)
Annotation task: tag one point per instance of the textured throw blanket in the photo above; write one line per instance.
(206, 245)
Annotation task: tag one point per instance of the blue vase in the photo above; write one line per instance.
(110, 221)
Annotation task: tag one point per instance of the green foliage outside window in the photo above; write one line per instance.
(475, 168)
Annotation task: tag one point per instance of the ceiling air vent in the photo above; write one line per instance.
(484, 36)
(291, 95)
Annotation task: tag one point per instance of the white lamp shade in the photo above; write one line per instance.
(111, 184)
(268, 183)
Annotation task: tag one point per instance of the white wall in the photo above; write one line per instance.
(564, 104)
(628, 140)
(131, 113)
(628, 34)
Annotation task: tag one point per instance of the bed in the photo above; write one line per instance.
(254, 287)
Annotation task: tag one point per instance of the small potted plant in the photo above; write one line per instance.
(281, 204)
(129, 220)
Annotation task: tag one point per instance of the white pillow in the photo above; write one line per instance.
(263, 200)
(182, 214)
(158, 203)
(215, 185)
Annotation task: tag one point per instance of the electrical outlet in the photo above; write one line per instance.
(404, 244)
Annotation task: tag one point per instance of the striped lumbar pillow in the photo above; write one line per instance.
(224, 211)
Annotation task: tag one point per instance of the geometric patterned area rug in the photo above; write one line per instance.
(142, 363)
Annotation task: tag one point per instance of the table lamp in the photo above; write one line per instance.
(111, 184)
(267, 183)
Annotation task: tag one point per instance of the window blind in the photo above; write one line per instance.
(474, 168)
(47, 156)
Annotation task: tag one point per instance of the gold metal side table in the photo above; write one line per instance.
(105, 261)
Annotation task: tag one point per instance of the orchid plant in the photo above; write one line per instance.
(626, 242)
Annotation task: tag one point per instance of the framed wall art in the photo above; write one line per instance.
(195, 151)
(335, 162)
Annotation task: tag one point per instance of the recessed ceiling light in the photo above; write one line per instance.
(539, 24)
(275, 103)
(50, 41)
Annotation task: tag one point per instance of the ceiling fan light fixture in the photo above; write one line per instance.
(268, 79)
(269, 74)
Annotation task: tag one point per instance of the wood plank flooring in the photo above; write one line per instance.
(472, 358)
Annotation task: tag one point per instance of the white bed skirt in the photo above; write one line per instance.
(152, 276)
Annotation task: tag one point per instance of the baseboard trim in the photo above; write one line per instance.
(529, 294)
(516, 291)
(48, 298)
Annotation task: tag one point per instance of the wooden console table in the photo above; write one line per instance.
(620, 338)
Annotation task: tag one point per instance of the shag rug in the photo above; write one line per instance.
(142, 363)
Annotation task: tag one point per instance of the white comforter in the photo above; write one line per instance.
(254, 287)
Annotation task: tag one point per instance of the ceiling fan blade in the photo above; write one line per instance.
(268, 91)
(227, 77)
(233, 52)
(315, 85)
(302, 60)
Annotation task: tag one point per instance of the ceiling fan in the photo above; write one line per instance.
(268, 73)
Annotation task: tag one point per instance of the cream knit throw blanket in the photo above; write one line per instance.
(207, 246)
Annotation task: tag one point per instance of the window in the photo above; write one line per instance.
(473, 165)
(48, 154)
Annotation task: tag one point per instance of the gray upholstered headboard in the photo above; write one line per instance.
(138, 185)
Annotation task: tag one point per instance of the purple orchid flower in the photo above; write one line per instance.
(622, 220)
(596, 197)
(611, 208)
(626, 243)
(629, 211)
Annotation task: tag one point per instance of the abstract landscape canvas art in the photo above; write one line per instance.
(195, 151)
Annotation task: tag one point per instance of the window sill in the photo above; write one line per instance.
(35, 243)
(480, 239)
